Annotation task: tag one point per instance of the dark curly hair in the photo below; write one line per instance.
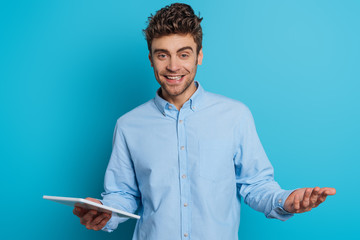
(177, 18)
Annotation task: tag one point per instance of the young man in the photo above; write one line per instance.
(186, 157)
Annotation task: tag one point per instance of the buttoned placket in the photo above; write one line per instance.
(183, 174)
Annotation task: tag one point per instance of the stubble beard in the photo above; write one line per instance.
(165, 88)
(188, 83)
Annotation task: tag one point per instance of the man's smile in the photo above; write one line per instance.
(174, 78)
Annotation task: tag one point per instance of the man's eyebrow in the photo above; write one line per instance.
(185, 48)
(161, 50)
(167, 52)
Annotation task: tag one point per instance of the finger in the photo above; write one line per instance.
(93, 200)
(323, 193)
(105, 218)
(79, 211)
(98, 219)
(102, 224)
(88, 217)
(328, 191)
(90, 221)
(321, 199)
(306, 199)
(296, 203)
(314, 196)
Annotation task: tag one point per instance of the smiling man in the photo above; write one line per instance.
(185, 158)
(174, 59)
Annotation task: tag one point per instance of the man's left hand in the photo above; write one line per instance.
(304, 199)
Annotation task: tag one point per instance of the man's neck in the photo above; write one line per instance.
(179, 100)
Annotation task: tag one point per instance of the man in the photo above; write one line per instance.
(185, 158)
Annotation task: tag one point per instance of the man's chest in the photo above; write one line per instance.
(199, 147)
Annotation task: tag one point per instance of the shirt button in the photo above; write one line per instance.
(186, 235)
(181, 121)
(170, 107)
(280, 200)
(183, 176)
(182, 147)
(185, 204)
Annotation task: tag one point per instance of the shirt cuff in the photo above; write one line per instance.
(278, 209)
(114, 221)
(110, 225)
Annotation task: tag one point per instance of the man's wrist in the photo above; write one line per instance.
(281, 202)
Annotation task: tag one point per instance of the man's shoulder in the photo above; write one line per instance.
(228, 108)
(222, 101)
(140, 112)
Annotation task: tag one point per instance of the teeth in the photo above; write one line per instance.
(174, 78)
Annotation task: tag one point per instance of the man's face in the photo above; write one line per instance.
(174, 60)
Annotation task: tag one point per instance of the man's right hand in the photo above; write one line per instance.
(92, 219)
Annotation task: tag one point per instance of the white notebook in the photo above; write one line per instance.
(80, 202)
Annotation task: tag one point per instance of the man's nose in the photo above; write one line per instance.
(173, 64)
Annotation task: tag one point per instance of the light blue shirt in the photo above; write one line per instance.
(187, 170)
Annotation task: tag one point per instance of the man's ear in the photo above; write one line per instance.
(150, 58)
(200, 57)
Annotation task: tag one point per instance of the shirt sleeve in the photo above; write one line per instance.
(255, 174)
(120, 184)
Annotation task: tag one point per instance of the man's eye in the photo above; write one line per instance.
(184, 55)
(161, 56)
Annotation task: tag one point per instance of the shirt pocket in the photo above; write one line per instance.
(216, 160)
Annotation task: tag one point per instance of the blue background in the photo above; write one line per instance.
(69, 69)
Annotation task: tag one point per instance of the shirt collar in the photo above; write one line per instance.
(192, 103)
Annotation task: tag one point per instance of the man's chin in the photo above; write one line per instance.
(176, 90)
(171, 91)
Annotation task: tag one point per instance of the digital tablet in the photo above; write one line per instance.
(80, 202)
